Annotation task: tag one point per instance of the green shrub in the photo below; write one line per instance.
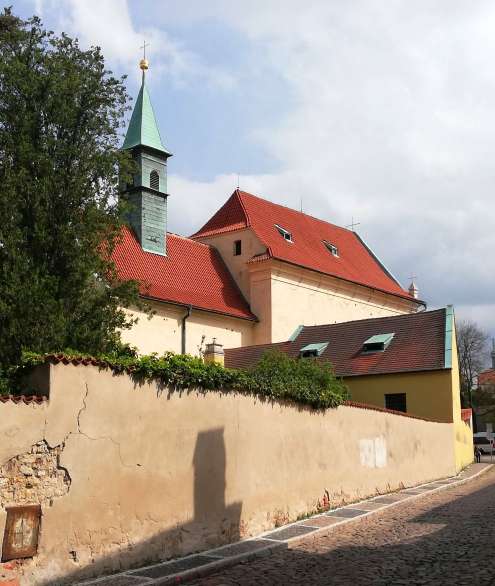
(275, 377)
(304, 380)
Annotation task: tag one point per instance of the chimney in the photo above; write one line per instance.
(214, 353)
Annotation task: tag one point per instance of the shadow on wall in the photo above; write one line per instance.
(214, 523)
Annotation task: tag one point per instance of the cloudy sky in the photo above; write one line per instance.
(379, 110)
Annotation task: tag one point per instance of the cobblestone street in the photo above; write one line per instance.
(443, 538)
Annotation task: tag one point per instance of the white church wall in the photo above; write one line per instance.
(303, 297)
(250, 246)
(163, 332)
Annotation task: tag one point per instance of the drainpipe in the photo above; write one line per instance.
(183, 328)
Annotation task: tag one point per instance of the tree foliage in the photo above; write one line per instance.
(472, 349)
(60, 113)
(484, 400)
(305, 380)
(275, 377)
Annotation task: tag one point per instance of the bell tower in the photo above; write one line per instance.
(147, 193)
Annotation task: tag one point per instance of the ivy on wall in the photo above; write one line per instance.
(275, 377)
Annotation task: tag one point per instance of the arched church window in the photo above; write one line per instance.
(155, 180)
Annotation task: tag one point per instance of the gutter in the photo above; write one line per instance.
(183, 328)
(215, 311)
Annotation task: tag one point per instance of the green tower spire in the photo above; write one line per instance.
(147, 193)
(143, 129)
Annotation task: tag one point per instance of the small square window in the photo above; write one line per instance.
(286, 235)
(332, 249)
(237, 248)
(396, 402)
(22, 526)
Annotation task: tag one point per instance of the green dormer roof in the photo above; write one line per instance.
(143, 129)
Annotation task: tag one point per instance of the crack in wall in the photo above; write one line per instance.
(100, 438)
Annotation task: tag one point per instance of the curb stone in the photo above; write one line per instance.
(301, 530)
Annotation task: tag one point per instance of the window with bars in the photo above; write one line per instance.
(155, 180)
(396, 402)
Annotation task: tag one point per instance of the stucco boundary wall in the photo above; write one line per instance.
(139, 473)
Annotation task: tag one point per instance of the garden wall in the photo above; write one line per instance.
(128, 473)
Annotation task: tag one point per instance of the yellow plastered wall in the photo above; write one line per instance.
(463, 433)
(303, 297)
(163, 332)
(428, 394)
(159, 474)
(250, 246)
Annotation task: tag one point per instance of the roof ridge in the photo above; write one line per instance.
(296, 211)
(271, 344)
(238, 192)
(189, 239)
(249, 225)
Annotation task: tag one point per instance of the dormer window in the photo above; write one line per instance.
(286, 235)
(155, 180)
(377, 343)
(332, 249)
(313, 350)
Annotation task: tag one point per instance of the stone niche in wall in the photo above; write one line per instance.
(27, 482)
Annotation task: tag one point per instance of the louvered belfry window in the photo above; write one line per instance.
(155, 180)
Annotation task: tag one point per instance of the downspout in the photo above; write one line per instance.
(183, 328)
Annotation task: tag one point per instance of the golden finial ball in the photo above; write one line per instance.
(143, 64)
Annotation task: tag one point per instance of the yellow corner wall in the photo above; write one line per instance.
(463, 433)
(428, 394)
(163, 333)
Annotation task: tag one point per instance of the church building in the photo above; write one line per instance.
(252, 274)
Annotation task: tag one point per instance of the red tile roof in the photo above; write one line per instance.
(418, 344)
(487, 377)
(355, 263)
(191, 274)
(25, 399)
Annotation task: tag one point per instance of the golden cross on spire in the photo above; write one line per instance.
(143, 47)
(144, 64)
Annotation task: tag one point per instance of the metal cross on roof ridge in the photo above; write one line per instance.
(353, 224)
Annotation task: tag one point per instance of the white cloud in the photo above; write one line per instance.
(108, 24)
(394, 123)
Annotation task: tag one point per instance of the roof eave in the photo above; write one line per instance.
(251, 318)
(390, 373)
